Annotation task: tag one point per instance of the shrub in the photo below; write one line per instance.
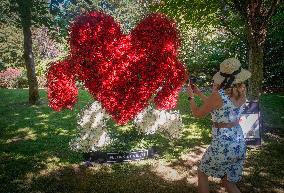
(42, 81)
(23, 81)
(9, 77)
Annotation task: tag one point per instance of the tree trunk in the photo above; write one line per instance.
(255, 60)
(30, 65)
(256, 67)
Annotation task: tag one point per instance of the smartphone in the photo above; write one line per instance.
(191, 81)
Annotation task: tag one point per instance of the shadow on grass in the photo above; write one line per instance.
(35, 138)
(264, 167)
(117, 178)
(33, 130)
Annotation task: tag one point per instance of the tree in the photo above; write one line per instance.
(257, 15)
(26, 14)
(26, 17)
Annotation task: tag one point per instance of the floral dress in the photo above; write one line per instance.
(225, 156)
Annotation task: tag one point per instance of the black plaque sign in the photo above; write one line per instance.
(116, 157)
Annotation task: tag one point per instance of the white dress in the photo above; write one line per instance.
(225, 156)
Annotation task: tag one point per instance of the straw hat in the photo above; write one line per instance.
(231, 73)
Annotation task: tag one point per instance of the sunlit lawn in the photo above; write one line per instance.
(35, 156)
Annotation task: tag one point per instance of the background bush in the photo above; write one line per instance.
(9, 77)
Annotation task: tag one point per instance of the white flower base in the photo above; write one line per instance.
(92, 127)
(152, 120)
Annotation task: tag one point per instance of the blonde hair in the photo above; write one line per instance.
(236, 91)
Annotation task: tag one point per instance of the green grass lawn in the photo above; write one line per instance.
(35, 156)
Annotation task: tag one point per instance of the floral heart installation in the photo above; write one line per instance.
(123, 72)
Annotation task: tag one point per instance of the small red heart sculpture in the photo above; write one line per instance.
(123, 72)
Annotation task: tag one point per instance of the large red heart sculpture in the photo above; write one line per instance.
(123, 72)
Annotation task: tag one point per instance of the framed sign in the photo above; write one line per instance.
(251, 123)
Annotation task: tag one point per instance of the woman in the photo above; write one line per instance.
(225, 156)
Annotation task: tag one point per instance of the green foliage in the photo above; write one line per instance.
(272, 105)
(197, 12)
(65, 12)
(11, 46)
(23, 81)
(27, 13)
(15, 12)
(127, 13)
(274, 55)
